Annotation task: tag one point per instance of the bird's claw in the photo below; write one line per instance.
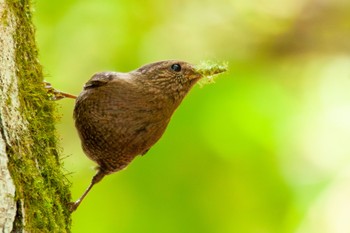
(72, 206)
(56, 94)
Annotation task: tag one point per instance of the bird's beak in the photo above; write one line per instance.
(196, 76)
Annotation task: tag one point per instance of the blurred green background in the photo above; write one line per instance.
(263, 150)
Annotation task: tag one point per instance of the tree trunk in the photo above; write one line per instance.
(34, 193)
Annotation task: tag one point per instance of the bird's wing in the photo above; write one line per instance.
(99, 79)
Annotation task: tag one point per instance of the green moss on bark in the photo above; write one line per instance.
(34, 159)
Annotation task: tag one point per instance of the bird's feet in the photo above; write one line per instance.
(72, 206)
(56, 94)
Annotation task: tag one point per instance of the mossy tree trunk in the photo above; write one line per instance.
(34, 192)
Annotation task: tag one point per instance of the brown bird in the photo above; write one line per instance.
(121, 115)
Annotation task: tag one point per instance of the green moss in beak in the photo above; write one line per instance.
(209, 69)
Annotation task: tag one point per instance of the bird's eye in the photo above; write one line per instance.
(176, 67)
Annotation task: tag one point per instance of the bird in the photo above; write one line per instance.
(119, 116)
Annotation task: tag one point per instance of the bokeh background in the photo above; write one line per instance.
(263, 150)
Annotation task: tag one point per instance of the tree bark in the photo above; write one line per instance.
(34, 193)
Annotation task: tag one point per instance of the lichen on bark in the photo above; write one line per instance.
(28, 143)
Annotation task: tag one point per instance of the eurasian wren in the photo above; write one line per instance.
(121, 115)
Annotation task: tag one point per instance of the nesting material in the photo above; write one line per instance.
(209, 70)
